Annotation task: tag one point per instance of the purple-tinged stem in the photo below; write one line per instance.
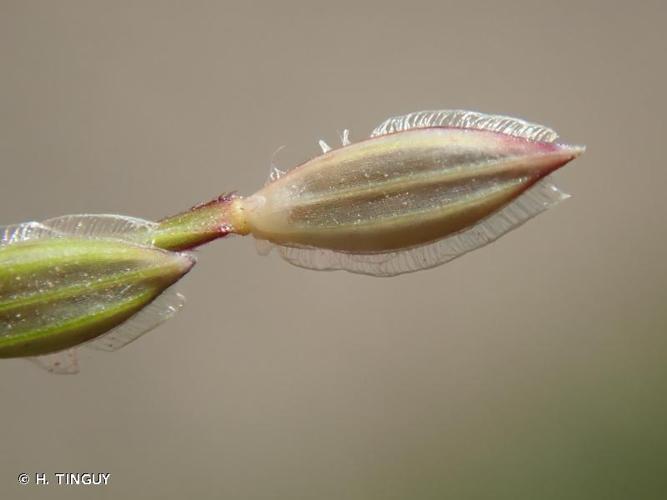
(199, 225)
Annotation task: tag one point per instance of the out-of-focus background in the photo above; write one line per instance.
(534, 368)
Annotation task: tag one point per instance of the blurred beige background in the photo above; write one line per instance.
(534, 368)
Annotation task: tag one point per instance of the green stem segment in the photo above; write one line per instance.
(199, 225)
